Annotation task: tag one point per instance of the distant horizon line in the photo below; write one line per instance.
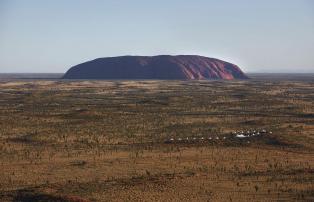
(243, 71)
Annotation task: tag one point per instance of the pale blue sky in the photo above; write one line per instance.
(259, 36)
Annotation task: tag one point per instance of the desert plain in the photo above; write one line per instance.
(153, 140)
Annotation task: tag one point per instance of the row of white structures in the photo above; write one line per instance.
(236, 134)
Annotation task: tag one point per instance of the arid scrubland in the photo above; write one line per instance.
(107, 140)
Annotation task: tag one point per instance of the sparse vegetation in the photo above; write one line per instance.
(105, 140)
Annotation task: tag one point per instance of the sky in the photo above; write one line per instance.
(259, 36)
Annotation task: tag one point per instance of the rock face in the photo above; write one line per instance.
(181, 67)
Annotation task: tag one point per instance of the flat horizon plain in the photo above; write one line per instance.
(157, 140)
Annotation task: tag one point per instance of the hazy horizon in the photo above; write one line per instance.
(259, 37)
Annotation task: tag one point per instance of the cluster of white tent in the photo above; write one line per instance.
(234, 134)
(250, 133)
